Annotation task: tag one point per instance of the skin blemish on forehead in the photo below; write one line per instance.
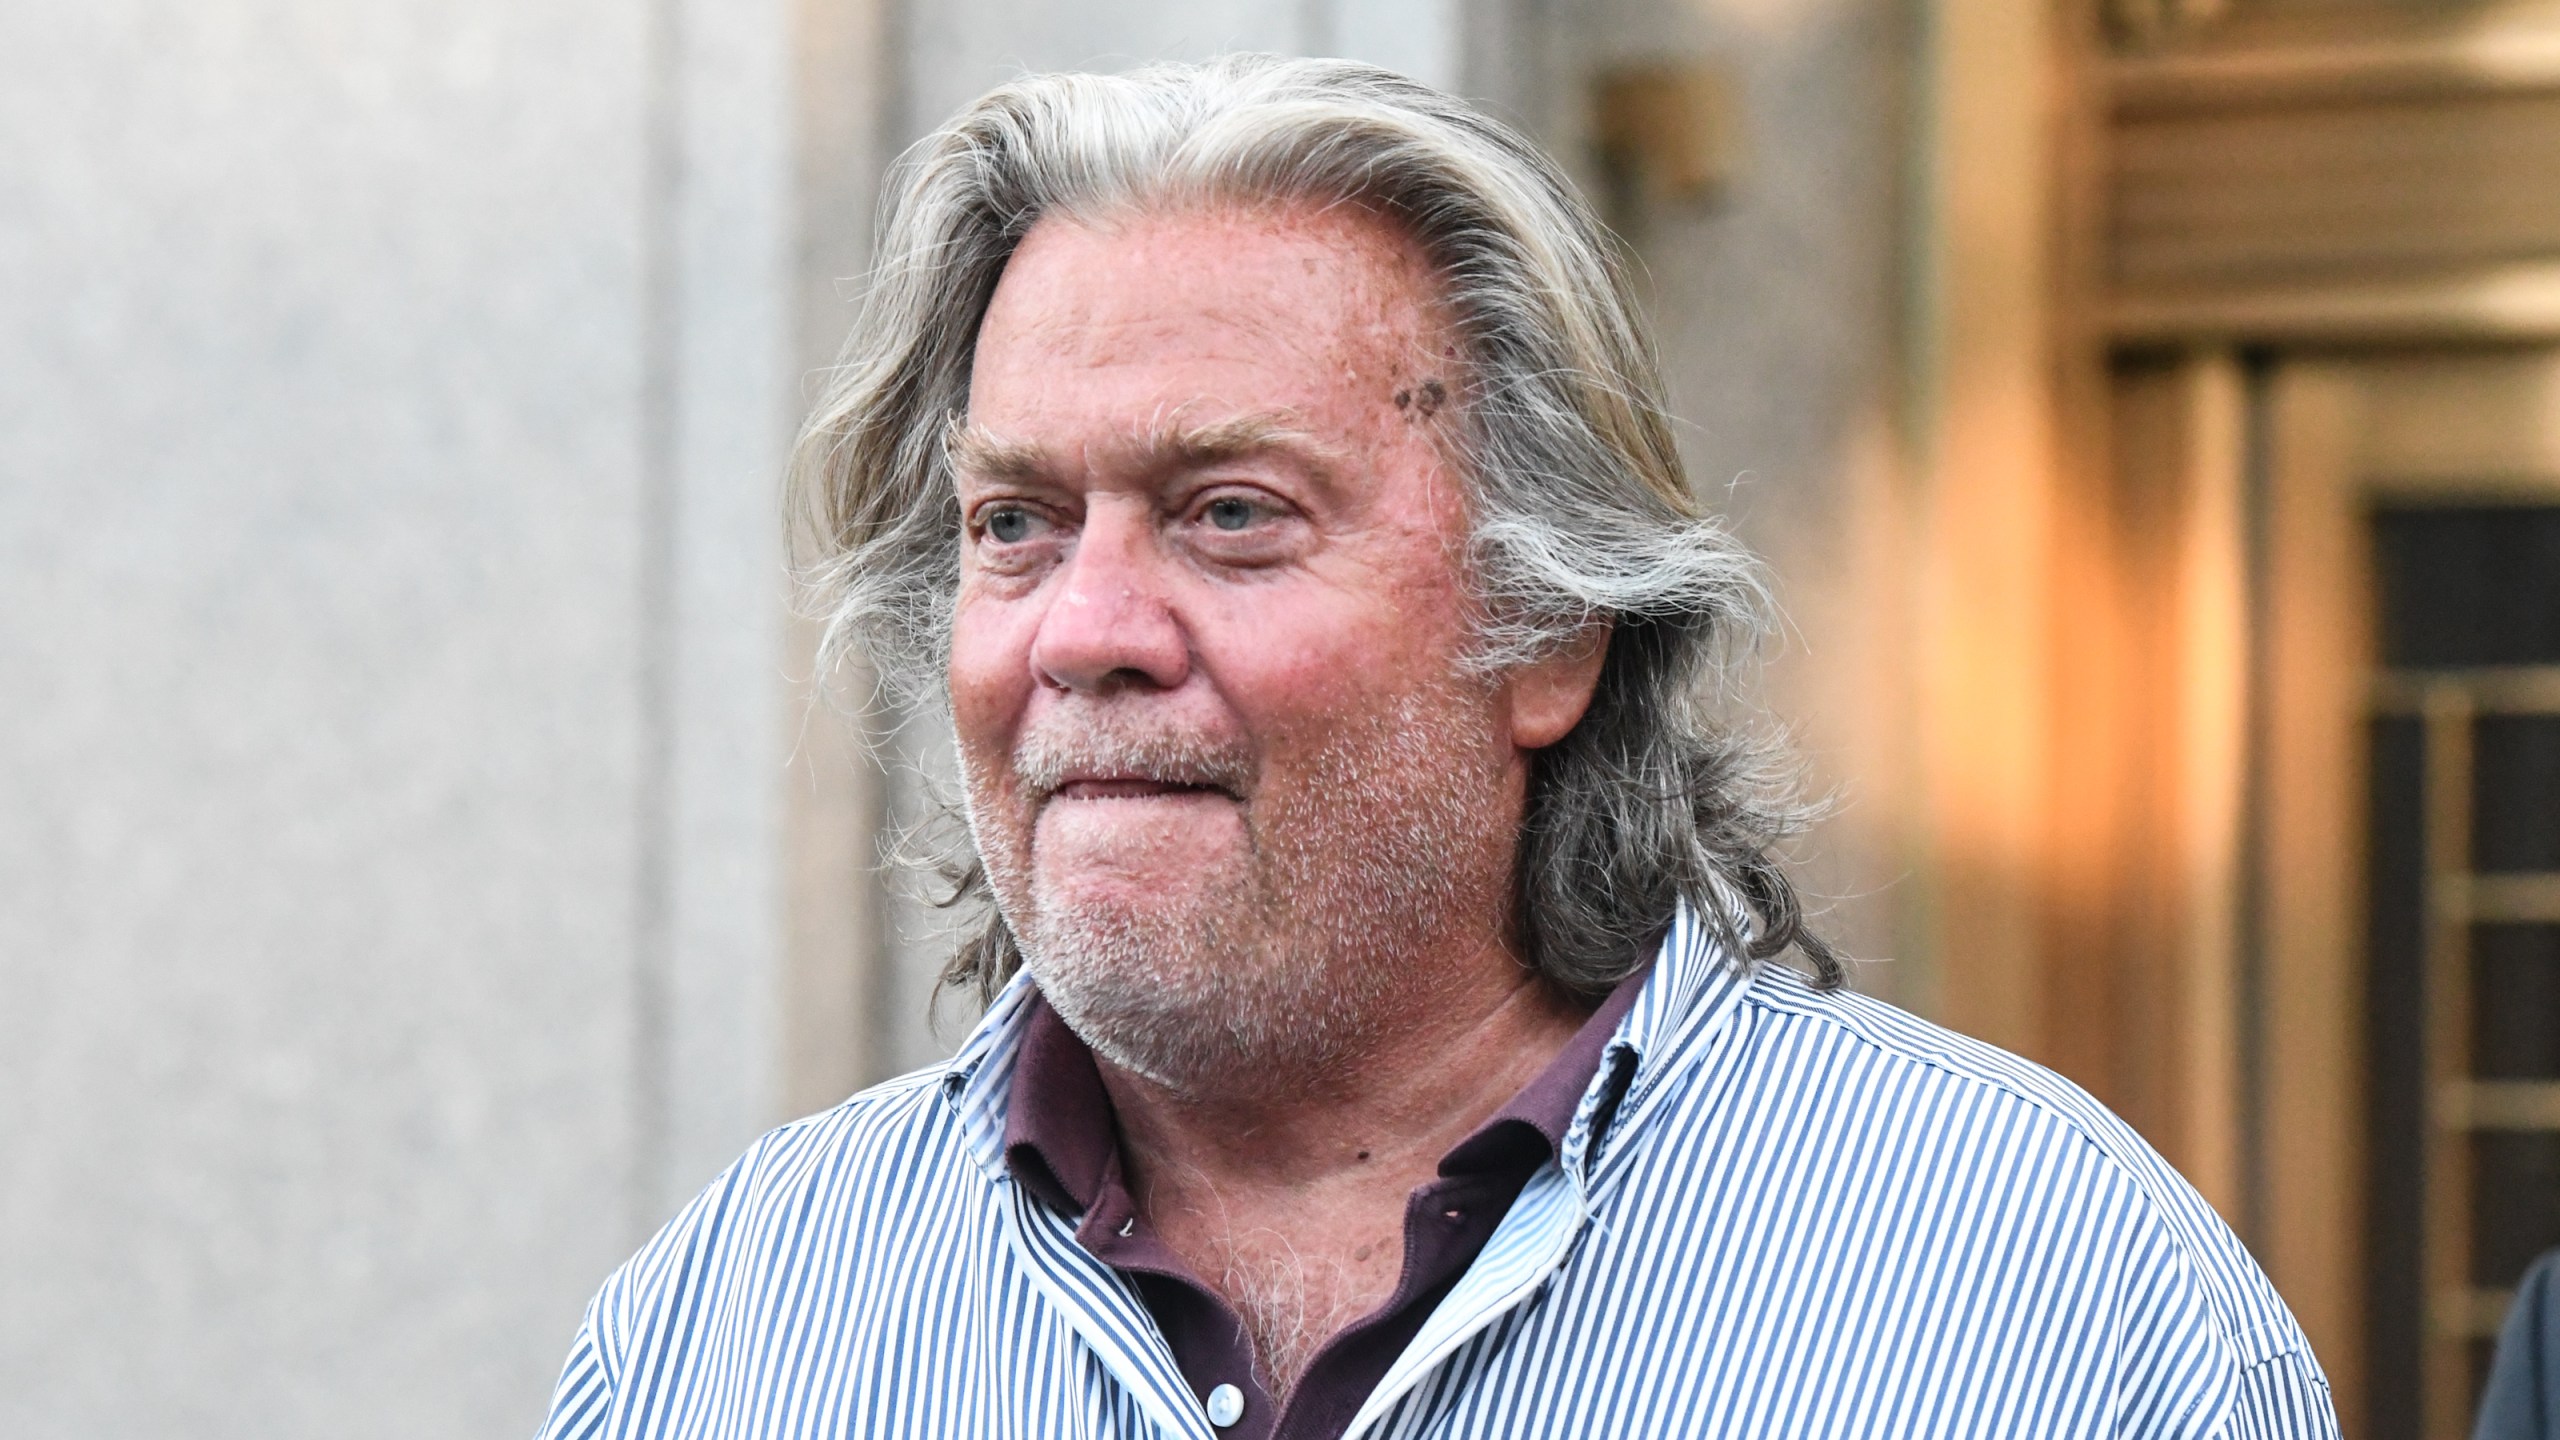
(1423, 401)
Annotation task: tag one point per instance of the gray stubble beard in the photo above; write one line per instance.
(1290, 972)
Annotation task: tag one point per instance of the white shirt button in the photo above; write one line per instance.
(1226, 1406)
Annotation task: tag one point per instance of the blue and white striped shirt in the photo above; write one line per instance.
(1811, 1215)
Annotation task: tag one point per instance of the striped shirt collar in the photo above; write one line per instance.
(1693, 985)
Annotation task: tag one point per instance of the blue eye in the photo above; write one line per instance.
(1009, 525)
(1229, 513)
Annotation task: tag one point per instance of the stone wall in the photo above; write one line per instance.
(390, 400)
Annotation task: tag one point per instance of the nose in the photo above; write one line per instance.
(1109, 624)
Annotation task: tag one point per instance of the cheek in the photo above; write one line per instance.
(1374, 624)
(1284, 667)
(990, 673)
(1298, 676)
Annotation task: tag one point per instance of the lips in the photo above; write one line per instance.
(1073, 754)
(1129, 788)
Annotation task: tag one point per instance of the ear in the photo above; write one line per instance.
(1548, 698)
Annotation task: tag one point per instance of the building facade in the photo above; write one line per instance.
(429, 856)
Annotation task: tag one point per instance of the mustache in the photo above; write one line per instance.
(1063, 749)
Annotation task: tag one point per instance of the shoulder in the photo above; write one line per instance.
(1869, 1046)
(899, 1128)
(2016, 1143)
(1873, 1045)
(814, 1194)
(892, 1147)
(829, 1236)
(908, 1117)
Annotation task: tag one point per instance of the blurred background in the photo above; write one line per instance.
(426, 856)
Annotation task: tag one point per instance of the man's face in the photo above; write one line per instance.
(1229, 779)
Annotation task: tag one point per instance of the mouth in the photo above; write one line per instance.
(1131, 787)
(1091, 761)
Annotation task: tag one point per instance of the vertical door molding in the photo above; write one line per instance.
(2151, 693)
(1981, 374)
(2311, 863)
(2210, 661)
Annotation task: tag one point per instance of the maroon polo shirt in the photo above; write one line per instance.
(1063, 1144)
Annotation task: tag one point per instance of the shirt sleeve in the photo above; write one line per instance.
(2208, 1350)
(2283, 1397)
(582, 1400)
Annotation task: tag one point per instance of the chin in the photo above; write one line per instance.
(1149, 925)
(1120, 904)
(1129, 973)
(1197, 988)
(1141, 871)
(1150, 841)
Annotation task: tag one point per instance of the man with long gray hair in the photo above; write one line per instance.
(1396, 1021)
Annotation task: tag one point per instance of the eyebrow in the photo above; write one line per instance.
(1160, 448)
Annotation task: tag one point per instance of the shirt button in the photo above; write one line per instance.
(1226, 1406)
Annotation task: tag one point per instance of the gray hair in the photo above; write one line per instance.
(1581, 515)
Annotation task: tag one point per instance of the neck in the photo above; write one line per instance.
(1288, 1193)
(1466, 1041)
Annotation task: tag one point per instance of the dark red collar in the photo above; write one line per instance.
(1060, 1137)
(1062, 1143)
